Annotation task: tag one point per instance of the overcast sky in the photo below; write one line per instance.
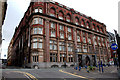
(105, 11)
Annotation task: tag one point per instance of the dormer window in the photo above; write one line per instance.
(60, 15)
(52, 12)
(93, 26)
(97, 28)
(68, 18)
(77, 21)
(82, 23)
(88, 25)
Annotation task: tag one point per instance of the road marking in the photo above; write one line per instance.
(28, 74)
(73, 74)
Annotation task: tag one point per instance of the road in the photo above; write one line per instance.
(56, 74)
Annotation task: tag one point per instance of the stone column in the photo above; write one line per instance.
(47, 51)
(75, 44)
(58, 42)
(66, 44)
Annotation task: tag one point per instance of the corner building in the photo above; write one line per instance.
(51, 34)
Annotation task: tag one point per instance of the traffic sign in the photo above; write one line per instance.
(114, 46)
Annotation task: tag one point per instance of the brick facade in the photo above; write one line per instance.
(50, 33)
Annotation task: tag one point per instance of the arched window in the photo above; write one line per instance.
(82, 23)
(61, 15)
(68, 18)
(102, 30)
(94, 26)
(52, 12)
(98, 28)
(77, 21)
(88, 24)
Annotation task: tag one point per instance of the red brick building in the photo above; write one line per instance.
(50, 33)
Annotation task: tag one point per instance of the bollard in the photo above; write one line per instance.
(79, 68)
(99, 66)
(75, 68)
(102, 66)
(86, 69)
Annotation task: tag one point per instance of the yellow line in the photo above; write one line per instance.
(73, 74)
(28, 74)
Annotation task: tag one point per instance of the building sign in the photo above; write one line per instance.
(114, 46)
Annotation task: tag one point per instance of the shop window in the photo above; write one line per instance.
(35, 58)
(53, 57)
(70, 57)
(62, 57)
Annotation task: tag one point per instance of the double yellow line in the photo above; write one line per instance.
(28, 75)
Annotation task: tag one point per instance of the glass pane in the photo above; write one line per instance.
(52, 25)
(40, 30)
(51, 41)
(68, 20)
(60, 48)
(69, 29)
(40, 21)
(61, 27)
(69, 37)
(55, 47)
(40, 39)
(84, 39)
(52, 33)
(35, 21)
(34, 39)
(40, 10)
(78, 38)
(36, 10)
(35, 30)
(39, 45)
(53, 58)
(62, 35)
(51, 47)
(60, 17)
(52, 15)
(34, 45)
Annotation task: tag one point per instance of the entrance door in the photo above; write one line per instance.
(93, 60)
(80, 60)
(87, 61)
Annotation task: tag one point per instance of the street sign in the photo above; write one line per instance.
(114, 46)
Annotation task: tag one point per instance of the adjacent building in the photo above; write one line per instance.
(52, 34)
(3, 8)
(112, 40)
